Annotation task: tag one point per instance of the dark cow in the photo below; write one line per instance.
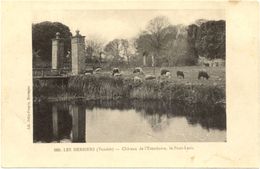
(206, 64)
(180, 74)
(203, 74)
(164, 71)
(115, 70)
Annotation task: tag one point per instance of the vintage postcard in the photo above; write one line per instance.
(130, 84)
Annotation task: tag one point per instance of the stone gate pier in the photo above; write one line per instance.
(57, 52)
(78, 53)
(78, 64)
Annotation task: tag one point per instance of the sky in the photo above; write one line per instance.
(107, 25)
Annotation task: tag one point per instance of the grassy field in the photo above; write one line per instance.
(217, 75)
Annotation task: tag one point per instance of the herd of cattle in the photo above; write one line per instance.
(138, 70)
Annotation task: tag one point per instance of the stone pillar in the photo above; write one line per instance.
(78, 53)
(57, 52)
(153, 64)
(144, 60)
(153, 61)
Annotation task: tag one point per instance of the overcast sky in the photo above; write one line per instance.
(110, 24)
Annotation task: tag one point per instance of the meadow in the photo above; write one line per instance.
(217, 74)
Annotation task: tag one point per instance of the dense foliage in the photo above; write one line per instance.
(210, 39)
(42, 33)
(181, 45)
(159, 44)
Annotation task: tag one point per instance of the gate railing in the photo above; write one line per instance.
(42, 72)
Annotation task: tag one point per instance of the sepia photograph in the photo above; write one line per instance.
(130, 84)
(129, 76)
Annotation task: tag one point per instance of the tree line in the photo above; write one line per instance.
(159, 44)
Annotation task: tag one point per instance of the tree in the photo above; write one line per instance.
(177, 46)
(171, 33)
(210, 41)
(156, 29)
(113, 51)
(198, 22)
(94, 49)
(192, 56)
(155, 40)
(143, 46)
(89, 53)
(120, 50)
(180, 45)
(112, 48)
(43, 32)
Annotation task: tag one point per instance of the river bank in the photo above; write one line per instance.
(103, 87)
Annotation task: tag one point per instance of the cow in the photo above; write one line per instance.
(164, 71)
(168, 74)
(149, 77)
(98, 69)
(203, 74)
(180, 74)
(88, 71)
(138, 70)
(117, 74)
(206, 64)
(137, 79)
(115, 70)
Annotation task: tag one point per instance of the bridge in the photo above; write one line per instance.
(55, 76)
(48, 73)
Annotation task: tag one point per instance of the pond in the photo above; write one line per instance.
(127, 121)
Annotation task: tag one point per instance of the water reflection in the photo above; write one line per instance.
(208, 116)
(127, 121)
(59, 122)
(78, 123)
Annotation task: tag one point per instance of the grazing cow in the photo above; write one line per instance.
(180, 74)
(98, 69)
(89, 71)
(138, 70)
(203, 74)
(206, 64)
(149, 77)
(117, 74)
(168, 74)
(115, 70)
(164, 71)
(137, 79)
